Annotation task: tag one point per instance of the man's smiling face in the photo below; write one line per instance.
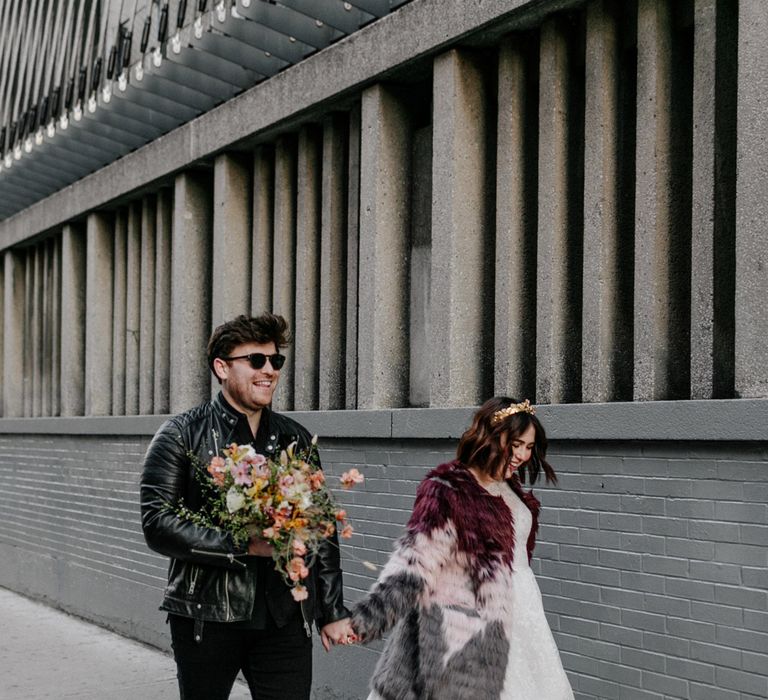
(247, 389)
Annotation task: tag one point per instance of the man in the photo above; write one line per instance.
(229, 610)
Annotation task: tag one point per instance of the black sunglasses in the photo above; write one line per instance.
(259, 359)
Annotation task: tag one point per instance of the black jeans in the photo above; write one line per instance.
(276, 662)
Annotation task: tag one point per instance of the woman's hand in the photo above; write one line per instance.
(339, 632)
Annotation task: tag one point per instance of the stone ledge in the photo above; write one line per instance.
(716, 420)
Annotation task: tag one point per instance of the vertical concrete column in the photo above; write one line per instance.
(661, 320)
(231, 239)
(38, 293)
(420, 272)
(385, 151)
(751, 370)
(284, 257)
(29, 319)
(47, 327)
(119, 301)
(333, 307)
(307, 324)
(132, 309)
(73, 267)
(515, 303)
(147, 307)
(2, 339)
(162, 313)
(604, 359)
(714, 197)
(14, 313)
(461, 297)
(98, 318)
(353, 256)
(558, 305)
(263, 226)
(56, 327)
(191, 284)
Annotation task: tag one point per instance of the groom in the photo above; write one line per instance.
(229, 609)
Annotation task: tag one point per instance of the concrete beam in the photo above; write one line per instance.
(119, 308)
(14, 313)
(162, 313)
(461, 313)
(559, 254)
(133, 308)
(606, 320)
(333, 293)
(383, 250)
(231, 239)
(263, 226)
(353, 257)
(190, 317)
(751, 203)
(306, 334)
(284, 258)
(662, 292)
(729, 421)
(515, 274)
(98, 319)
(147, 305)
(73, 267)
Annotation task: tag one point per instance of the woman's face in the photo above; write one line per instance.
(520, 449)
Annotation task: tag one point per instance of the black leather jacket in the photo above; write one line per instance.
(207, 579)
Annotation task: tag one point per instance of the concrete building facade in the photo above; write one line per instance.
(558, 200)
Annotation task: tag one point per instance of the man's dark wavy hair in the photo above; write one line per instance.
(480, 446)
(265, 328)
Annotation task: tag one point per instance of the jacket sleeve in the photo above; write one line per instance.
(167, 467)
(330, 584)
(413, 568)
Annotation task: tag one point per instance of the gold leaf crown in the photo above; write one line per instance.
(524, 407)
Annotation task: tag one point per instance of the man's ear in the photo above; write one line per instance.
(221, 368)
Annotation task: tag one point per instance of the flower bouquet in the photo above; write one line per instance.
(286, 502)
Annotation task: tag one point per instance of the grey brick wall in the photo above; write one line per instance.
(652, 558)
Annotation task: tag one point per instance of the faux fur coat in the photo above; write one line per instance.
(443, 591)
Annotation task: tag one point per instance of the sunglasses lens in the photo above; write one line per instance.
(259, 359)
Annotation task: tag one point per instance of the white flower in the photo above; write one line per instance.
(235, 500)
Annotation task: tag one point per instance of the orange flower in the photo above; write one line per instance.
(350, 478)
(341, 515)
(297, 569)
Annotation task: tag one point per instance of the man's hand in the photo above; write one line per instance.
(339, 632)
(259, 547)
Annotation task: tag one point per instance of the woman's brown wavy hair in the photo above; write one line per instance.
(480, 446)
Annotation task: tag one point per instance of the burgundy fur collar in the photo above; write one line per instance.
(483, 523)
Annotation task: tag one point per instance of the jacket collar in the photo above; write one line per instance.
(230, 416)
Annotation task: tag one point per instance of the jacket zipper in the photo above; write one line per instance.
(229, 557)
(226, 594)
(307, 628)
(195, 574)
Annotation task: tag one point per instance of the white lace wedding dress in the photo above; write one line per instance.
(534, 669)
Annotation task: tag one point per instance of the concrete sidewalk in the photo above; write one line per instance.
(45, 653)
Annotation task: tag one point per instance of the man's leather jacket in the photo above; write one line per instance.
(207, 579)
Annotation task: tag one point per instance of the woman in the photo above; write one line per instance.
(458, 589)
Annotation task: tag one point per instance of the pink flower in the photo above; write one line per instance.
(241, 474)
(299, 593)
(299, 548)
(346, 533)
(297, 569)
(350, 478)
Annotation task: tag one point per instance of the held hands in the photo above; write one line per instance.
(339, 632)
